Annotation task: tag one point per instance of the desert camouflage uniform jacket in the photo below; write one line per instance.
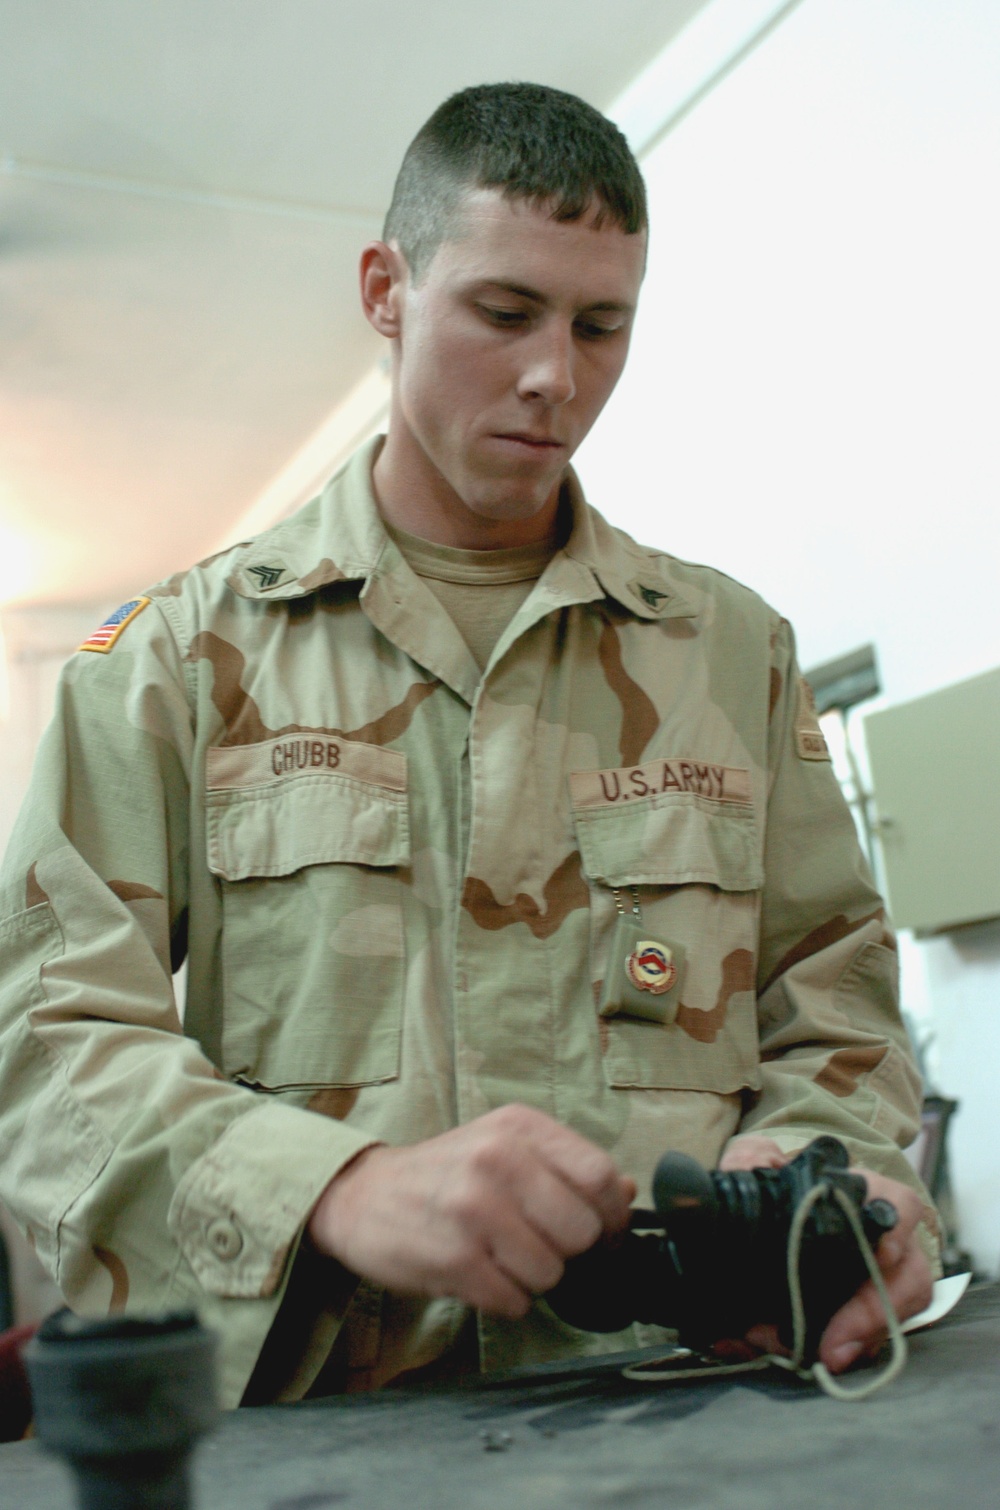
(394, 881)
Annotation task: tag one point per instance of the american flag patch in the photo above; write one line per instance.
(104, 637)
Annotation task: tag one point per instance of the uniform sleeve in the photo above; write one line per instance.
(143, 1177)
(835, 1055)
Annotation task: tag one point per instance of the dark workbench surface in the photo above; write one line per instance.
(757, 1442)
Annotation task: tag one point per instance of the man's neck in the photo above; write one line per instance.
(414, 497)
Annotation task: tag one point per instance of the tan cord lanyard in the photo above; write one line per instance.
(818, 1373)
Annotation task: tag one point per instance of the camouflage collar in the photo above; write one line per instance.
(637, 577)
(339, 537)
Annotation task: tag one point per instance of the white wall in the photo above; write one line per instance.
(812, 399)
(34, 644)
(963, 973)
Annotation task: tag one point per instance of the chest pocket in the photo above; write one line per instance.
(696, 868)
(313, 939)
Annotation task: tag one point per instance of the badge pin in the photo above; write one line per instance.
(650, 967)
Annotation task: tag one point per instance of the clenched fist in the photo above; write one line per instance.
(488, 1212)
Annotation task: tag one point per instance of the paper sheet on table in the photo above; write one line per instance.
(947, 1293)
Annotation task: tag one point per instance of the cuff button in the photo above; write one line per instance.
(224, 1238)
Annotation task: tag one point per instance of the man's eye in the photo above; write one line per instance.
(506, 317)
(592, 331)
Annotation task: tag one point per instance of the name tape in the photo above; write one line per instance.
(719, 783)
(234, 766)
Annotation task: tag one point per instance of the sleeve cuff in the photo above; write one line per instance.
(238, 1210)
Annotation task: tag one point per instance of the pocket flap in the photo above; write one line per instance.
(314, 819)
(670, 840)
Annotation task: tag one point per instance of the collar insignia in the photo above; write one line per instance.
(267, 576)
(651, 596)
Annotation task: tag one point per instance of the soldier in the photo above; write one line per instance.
(504, 854)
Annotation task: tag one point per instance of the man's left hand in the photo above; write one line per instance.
(858, 1329)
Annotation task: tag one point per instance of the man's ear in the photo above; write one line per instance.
(383, 274)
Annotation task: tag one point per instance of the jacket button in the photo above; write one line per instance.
(224, 1238)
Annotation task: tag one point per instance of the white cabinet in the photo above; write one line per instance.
(935, 765)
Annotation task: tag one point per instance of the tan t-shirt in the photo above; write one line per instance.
(480, 591)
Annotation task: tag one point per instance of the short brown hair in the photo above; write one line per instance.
(528, 140)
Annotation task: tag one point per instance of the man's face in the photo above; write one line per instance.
(507, 350)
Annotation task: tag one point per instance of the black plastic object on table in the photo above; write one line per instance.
(712, 1260)
(123, 1400)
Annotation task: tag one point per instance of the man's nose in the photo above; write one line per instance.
(548, 372)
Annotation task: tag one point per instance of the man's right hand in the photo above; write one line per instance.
(488, 1212)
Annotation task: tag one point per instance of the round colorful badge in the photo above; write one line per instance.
(650, 967)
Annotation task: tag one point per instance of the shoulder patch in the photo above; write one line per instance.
(107, 633)
(810, 740)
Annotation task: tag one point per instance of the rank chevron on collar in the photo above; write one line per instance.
(267, 576)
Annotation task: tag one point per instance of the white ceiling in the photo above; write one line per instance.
(184, 187)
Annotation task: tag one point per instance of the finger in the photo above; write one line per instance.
(511, 1204)
(590, 1171)
(570, 1187)
(457, 1257)
(752, 1152)
(526, 1257)
(607, 1192)
(488, 1288)
(764, 1338)
(907, 1204)
(735, 1350)
(759, 1339)
(558, 1213)
(860, 1327)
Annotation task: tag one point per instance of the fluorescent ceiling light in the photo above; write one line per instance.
(715, 40)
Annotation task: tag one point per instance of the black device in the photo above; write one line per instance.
(123, 1399)
(712, 1260)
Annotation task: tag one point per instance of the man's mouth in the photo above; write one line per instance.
(535, 442)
